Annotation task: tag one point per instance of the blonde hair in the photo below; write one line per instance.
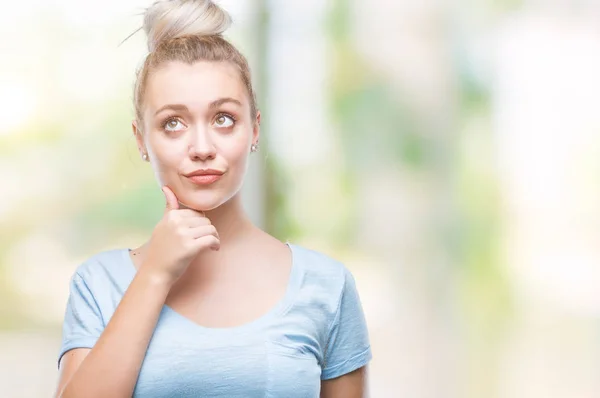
(188, 31)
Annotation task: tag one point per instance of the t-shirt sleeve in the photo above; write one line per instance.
(83, 321)
(348, 347)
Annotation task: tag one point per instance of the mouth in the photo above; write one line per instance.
(204, 179)
(204, 176)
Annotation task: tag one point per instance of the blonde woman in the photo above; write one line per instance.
(210, 305)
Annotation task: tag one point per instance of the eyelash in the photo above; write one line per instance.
(233, 118)
(168, 120)
(218, 115)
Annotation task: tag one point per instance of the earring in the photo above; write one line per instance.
(145, 157)
(254, 147)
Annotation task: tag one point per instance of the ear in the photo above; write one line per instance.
(139, 138)
(256, 129)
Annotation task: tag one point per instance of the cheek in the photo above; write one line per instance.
(236, 153)
(166, 156)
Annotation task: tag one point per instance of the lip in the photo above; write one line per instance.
(204, 179)
(204, 176)
(204, 172)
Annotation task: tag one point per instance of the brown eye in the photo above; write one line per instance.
(224, 121)
(173, 125)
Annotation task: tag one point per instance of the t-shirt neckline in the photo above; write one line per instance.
(277, 310)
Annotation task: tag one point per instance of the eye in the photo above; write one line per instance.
(223, 121)
(172, 125)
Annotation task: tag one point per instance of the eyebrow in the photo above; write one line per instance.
(212, 105)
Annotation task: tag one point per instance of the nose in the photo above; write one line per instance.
(201, 146)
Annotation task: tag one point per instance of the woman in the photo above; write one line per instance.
(210, 305)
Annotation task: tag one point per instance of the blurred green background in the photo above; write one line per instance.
(446, 152)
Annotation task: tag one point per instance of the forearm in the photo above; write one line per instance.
(112, 366)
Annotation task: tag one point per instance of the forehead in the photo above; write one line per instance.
(195, 85)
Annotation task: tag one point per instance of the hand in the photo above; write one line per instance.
(177, 238)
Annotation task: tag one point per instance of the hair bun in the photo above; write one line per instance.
(168, 19)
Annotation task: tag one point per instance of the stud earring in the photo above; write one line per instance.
(254, 147)
(145, 157)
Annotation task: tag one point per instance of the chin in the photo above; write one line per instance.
(203, 201)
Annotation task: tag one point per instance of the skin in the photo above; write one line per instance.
(193, 260)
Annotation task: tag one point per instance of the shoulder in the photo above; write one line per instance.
(316, 261)
(322, 270)
(108, 266)
(328, 292)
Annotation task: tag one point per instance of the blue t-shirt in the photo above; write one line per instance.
(317, 331)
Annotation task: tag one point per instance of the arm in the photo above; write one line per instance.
(350, 385)
(120, 347)
(120, 350)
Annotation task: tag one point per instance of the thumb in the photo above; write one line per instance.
(171, 199)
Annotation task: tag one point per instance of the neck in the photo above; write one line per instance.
(233, 227)
(230, 220)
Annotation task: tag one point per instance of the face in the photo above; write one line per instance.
(197, 119)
